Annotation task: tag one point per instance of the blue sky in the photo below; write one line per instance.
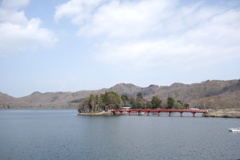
(72, 45)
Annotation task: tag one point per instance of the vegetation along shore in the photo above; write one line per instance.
(223, 113)
(101, 104)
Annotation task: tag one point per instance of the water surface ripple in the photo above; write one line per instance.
(62, 134)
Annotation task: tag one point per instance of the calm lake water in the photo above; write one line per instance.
(62, 135)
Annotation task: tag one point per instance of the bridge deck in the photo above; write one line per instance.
(147, 111)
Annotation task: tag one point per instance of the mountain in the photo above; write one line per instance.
(207, 94)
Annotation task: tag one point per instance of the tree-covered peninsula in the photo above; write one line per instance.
(102, 102)
(111, 100)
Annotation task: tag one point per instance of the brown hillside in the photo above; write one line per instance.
(207, 94)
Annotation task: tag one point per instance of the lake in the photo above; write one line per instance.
(62, 134)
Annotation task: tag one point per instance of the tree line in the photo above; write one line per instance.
(112, 100)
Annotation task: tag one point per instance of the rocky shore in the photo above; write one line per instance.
(223, 113)
(108, 113)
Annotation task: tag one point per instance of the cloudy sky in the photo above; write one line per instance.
(71, 45)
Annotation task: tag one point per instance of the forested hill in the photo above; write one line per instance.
(211, 94)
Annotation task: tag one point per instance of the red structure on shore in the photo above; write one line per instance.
(157, 111)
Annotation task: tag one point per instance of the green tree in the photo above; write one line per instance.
(186, 106)
(133, 102)
(113, 100)
(84, 106)
(179, 104)
(124, 98)
(170, 102)
(156, 102)
(139, 96)
(91, 102)
(149, 105)
(110, 100)
(138, 102)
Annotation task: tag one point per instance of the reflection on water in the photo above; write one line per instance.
(62, 134)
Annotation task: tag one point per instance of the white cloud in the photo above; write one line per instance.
(127, 19)
(18, 38)
(153, 33)
(77, 10)
(13, 4)
(13, 17)
(17, 32)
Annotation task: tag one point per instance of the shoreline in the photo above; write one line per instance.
(217, 114)
(223, 114)
(108, 113)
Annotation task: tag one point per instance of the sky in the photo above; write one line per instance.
(72, 45)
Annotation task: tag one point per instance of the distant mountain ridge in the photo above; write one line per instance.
(209, 94)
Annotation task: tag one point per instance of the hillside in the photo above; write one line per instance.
(207, 94)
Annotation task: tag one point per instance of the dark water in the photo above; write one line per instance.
(61, 135)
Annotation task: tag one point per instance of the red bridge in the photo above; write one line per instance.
(157, 111)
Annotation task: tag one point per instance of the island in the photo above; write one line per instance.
(108, 103)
